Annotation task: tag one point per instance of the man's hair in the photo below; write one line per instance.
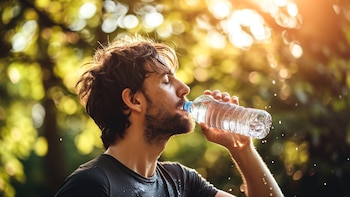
(123, 63)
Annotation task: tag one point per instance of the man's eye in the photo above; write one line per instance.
(166, 82)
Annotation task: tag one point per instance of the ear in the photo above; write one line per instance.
(133, 101)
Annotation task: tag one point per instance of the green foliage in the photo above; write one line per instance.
(291, 59)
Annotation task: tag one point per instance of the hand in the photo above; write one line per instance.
(225, 138)
(246, 157)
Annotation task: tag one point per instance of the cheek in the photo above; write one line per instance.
(164, 97)
(159, 106)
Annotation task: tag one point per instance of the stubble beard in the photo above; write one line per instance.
(160, 126)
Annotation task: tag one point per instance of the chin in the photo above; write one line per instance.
(190, 125)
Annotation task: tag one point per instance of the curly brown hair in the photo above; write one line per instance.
(123, 63)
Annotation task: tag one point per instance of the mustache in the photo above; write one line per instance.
(181, 103)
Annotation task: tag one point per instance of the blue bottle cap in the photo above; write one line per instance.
(187, 106)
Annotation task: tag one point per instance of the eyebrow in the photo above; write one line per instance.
(167, 72)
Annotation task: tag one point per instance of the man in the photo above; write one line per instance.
(133, 95)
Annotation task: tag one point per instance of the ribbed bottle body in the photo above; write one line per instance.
(230, 117)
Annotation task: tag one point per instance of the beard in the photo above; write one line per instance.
(161, 124)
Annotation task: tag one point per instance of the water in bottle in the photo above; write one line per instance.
(230, 117)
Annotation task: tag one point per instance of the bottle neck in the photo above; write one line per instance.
(187, 106)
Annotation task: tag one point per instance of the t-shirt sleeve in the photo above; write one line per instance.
(88, 183)
(199, 186)
(193, 183)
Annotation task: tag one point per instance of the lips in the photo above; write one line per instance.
(180, 104)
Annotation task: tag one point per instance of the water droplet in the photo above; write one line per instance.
(348, 159)
(282, 134)
(280, 122)
(264, 181)
(315, 164)
(60, 139)
(324, 183)
(273, 82)
(229, 178)
(296, 104)
(274, 94)
(272, 161)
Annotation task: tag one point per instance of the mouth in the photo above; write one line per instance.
(180, 104)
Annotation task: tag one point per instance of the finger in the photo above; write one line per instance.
(208, 132)
(205, 128)
(225, 96)
(208, 92)
(235, 100)
(216, 94)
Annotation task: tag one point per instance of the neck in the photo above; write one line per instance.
(136, 154)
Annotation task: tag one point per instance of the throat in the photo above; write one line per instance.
(140, 158)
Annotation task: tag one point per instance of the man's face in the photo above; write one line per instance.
(164, 117)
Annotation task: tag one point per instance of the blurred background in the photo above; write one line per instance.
(289, 57)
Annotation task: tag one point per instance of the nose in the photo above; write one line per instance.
(182, 90)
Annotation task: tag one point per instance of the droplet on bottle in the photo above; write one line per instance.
(60, 139)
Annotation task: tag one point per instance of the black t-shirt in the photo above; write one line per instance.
(106, 176)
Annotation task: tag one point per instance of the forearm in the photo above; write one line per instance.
(257, 177)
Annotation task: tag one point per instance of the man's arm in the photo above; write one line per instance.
(257, 178)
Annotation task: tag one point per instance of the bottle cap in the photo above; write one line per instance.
(187, 106)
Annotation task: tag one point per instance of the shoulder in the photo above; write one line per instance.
(173, 167)
(177, 168)
(179, 171)
(90, 179)
(94, 170)
(191, 181)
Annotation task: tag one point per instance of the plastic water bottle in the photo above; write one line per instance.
(250, 122)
